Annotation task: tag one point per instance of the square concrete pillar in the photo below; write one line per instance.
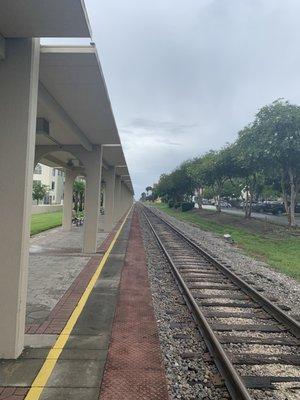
(117, 205)
(93, 169)
(109, 177)
(18, 106)
(124, 198)
(68, 200)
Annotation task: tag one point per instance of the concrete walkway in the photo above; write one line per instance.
(55, 260)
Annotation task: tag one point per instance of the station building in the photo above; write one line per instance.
(54, 110)
(53, 179)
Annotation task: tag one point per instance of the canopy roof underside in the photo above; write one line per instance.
(43, 18)
(73, 98)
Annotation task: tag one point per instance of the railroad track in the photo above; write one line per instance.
(254, 344)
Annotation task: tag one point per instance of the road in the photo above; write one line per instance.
(277, 219)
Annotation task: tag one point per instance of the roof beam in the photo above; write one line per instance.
(56, 161)
(2, 48)
(49, 101)
(112, 145)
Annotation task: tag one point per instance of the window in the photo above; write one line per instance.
(53, 185)
(53, 172)
(38, 169)
(36, 182)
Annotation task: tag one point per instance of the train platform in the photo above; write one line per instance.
(95, 338)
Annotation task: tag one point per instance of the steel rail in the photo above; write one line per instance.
(290, 323)
(233, 382)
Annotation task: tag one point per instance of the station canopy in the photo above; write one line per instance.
(43, 18)
(73, 98)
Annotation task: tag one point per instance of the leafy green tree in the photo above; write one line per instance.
(232, 189)
(248, 168)
(39, 191)
(148, 189)
(155, 194)
(276, 132)
(264, 160)
(177, 185)
(143, 196)
(219, 167)
(196, 171)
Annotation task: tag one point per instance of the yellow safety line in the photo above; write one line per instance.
(42, 377)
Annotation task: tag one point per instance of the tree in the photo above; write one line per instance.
(232, 189)
(248, 168)
(39, 191)
(264, 159)
(218, 167)
(148, 189)
(276, 131)
(176, 186)
(78, 194)
(154, 192)
(143, 196)
(195, 169)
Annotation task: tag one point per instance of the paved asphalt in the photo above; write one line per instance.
(277, 219)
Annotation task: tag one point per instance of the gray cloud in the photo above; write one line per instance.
(165, 126)
(186, 76)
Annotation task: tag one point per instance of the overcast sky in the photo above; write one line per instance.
(184, 76)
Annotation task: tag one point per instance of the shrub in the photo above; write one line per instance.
(177, 205)
(186, 206)
(171, 203)
(164, 199)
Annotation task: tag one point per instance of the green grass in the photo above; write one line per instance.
(42, 222)
(280, 249)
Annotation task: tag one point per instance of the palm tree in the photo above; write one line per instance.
(78, 194)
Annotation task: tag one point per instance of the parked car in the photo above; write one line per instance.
(225, 204)
(276, 208)
(206, 202)
(271, 207)
(258, 207)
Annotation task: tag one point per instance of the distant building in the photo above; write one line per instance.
(54, 179)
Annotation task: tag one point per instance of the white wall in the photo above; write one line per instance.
(44, 208)
(47, 177)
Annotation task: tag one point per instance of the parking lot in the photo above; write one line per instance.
(278, 219)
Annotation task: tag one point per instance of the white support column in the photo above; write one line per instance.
(117, 205)
(68, 199)
(18, 106)
(122, 207)
(109, 176)
(93, 168)
(126, 198)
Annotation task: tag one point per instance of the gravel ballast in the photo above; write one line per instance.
(191, 374)
(271, 283)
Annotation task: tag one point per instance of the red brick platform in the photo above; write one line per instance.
(134, 368)
(12, 393)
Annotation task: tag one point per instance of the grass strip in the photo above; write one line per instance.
(45, 221)
(280, 250)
